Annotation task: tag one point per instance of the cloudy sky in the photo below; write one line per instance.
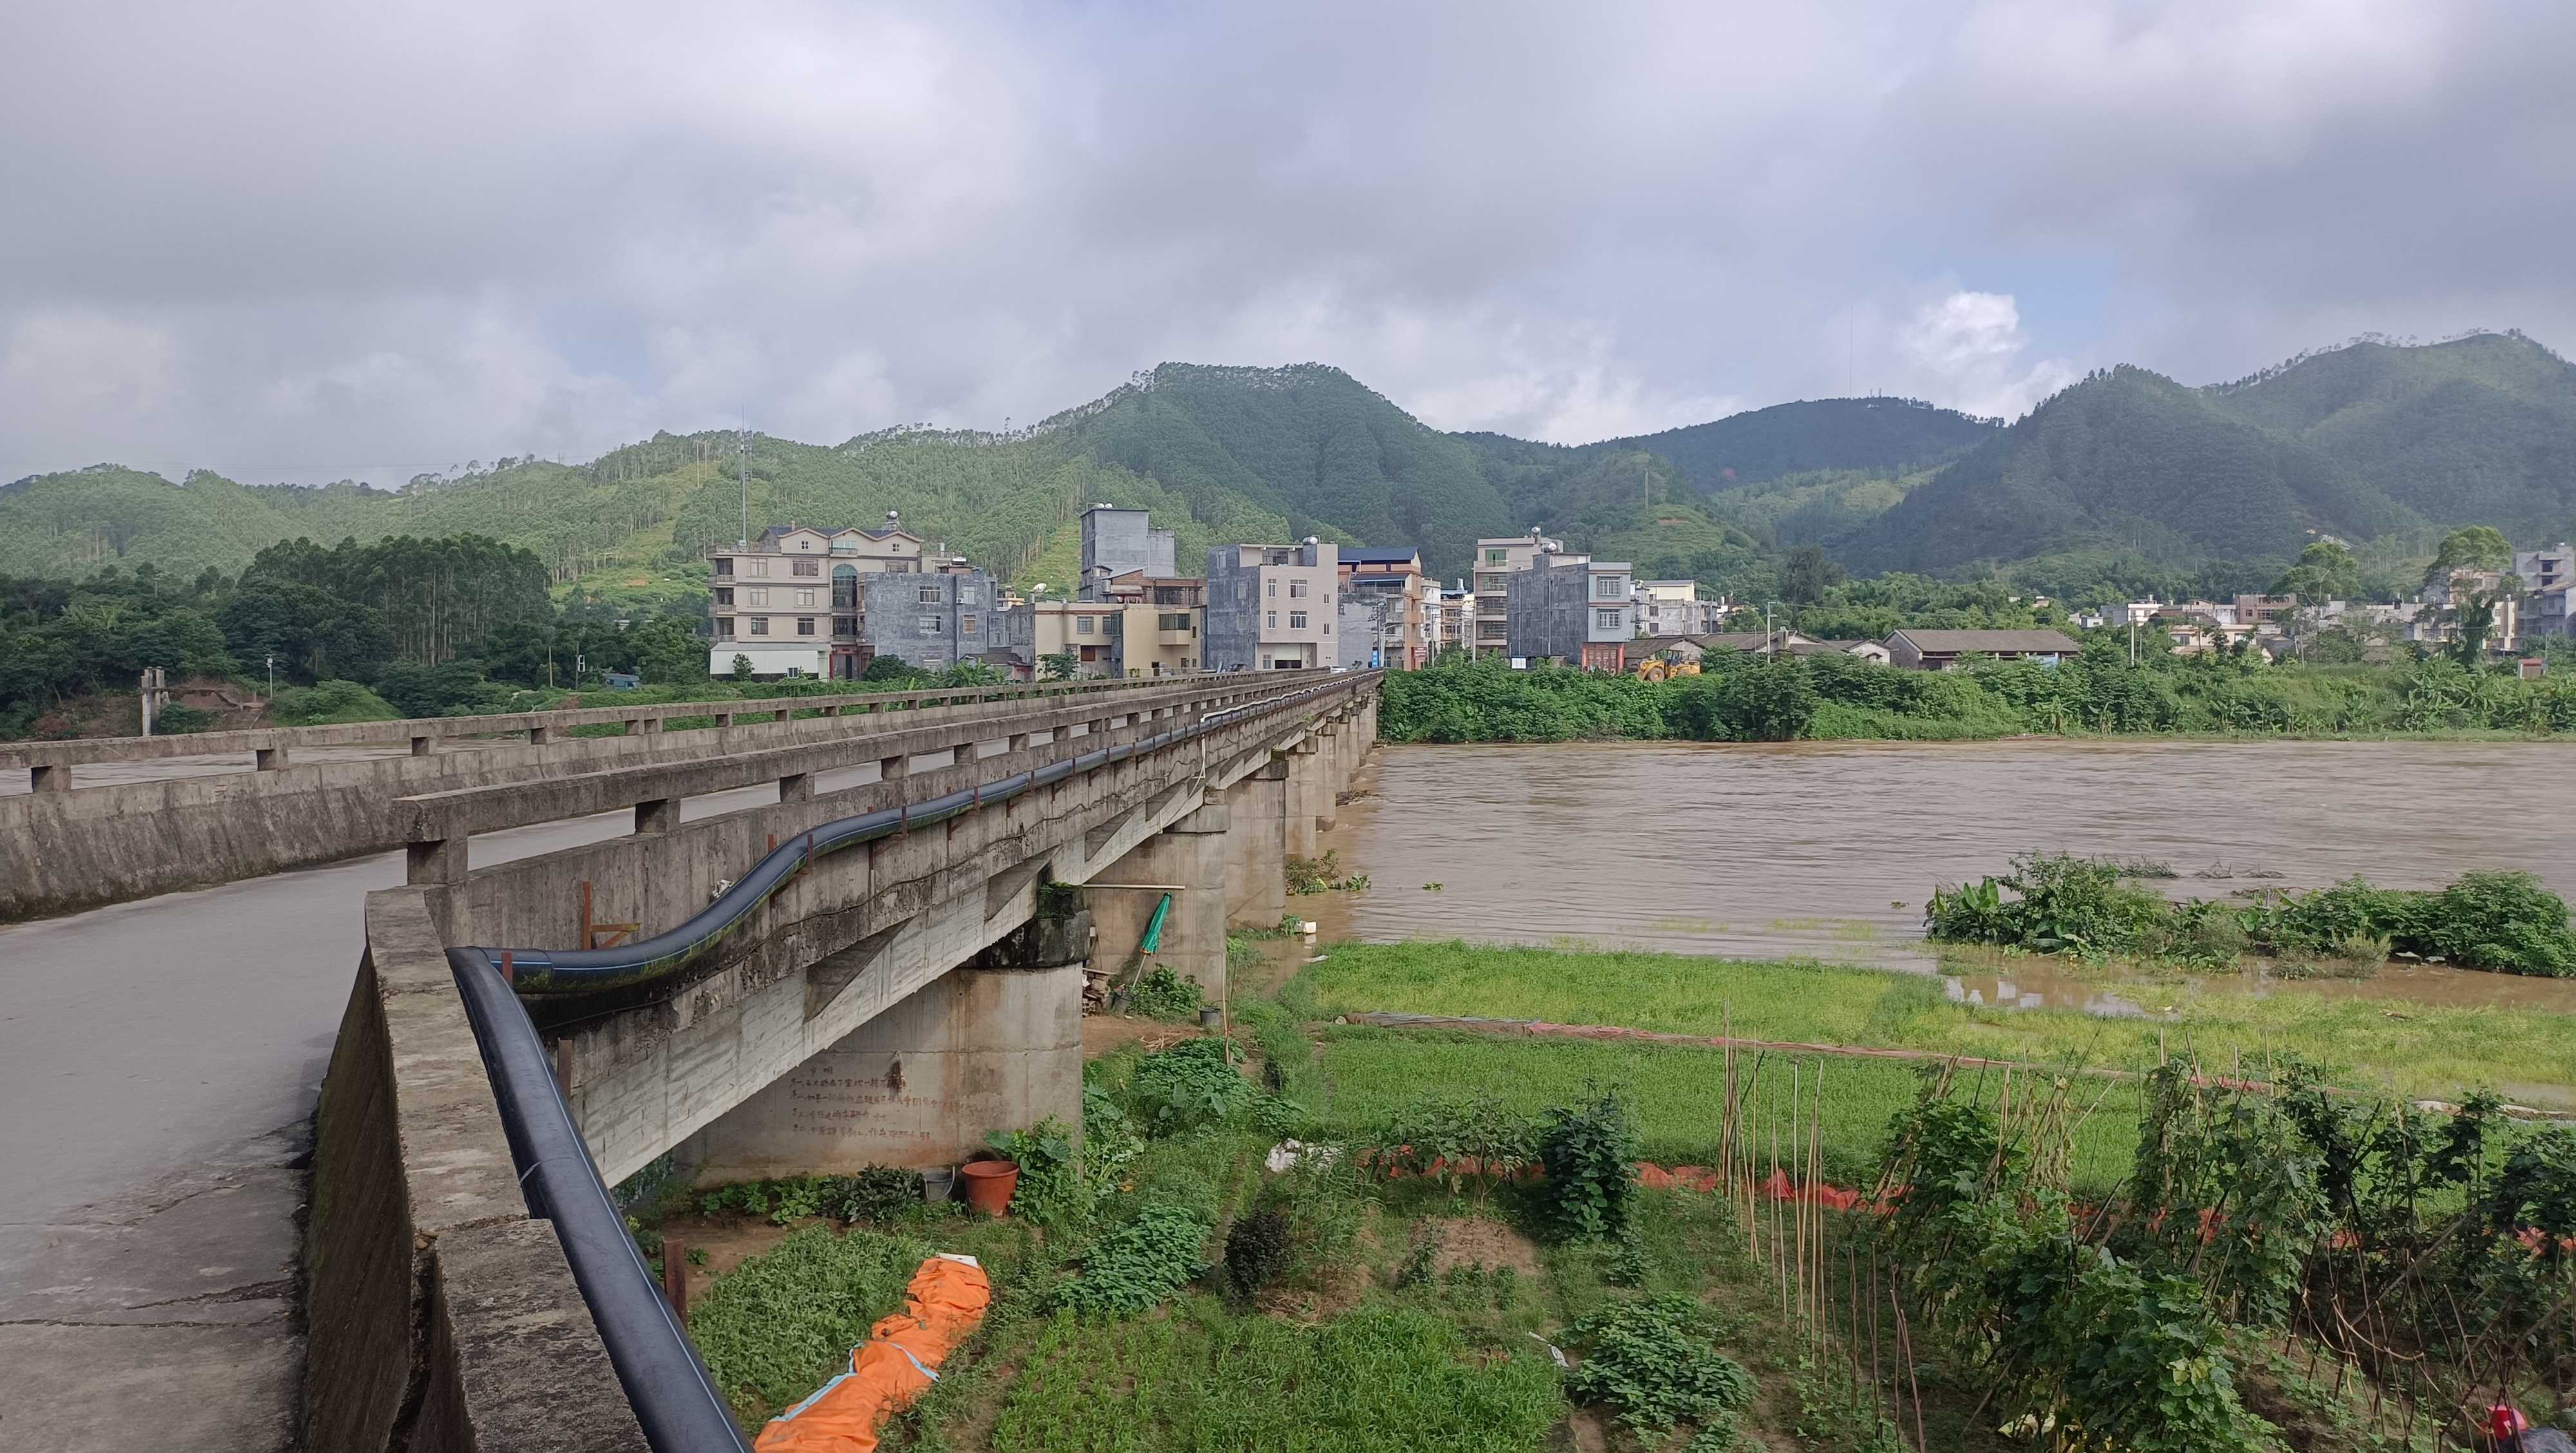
(308, 242)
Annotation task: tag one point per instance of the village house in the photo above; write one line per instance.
(1916, 650)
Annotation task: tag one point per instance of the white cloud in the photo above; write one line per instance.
(1966, 350)
(291, 240)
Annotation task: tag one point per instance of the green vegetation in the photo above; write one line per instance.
(1834, 696)
(1380, 1379)
(2365, 441)
(1162, 994)
(2050, 903)
(2429, 1050)
(785, 1322)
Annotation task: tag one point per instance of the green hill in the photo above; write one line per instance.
(1880, 436)
(2371, 441)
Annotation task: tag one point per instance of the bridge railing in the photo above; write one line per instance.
(272, 748)
(438, 824)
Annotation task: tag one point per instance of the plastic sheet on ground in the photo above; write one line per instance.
(943, 1305)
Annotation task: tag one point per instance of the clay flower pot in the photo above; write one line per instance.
(989, 1184)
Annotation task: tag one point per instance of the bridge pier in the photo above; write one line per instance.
(1256, 870)
(1188, 861)
(972, 1052)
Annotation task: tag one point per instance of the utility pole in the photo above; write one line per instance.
(742, 454)
(272, 676)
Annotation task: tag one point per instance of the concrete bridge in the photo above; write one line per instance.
(869, 1008)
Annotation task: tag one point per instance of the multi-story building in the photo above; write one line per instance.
(1455, 618)
(1497, 560)
(790, 601)
(1122, 542)
(1571, 609)
(932, 620)
(2546, 576)
(1088, 630)
(1271, 607)
(1673, 608)
(1159, 624)
(1403, 628)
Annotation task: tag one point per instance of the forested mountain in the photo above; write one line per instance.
(1881, 436)
(2370, 440)
(2364, 441)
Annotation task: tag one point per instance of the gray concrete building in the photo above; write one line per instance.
(1119, 542)
(1571, 609)
(1271, 607)
(932, 621)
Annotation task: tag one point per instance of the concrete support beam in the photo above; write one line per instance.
(660, 815)
(892, 769)
(269, 759)
(922, 1084)
(1331, 771)
(796, 788)
(1305, 774)
(1256, 845)
(1187, 860)
(435, 862)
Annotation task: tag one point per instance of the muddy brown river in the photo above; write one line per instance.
(1828, 850)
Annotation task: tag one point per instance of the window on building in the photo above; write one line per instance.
(1296, 590)
(724, 628)
(755, 567)
(724, 595)
(724, 565)
(1274, 588)
(928, 595)
(806, 567)
(805, 598)
(760, 625)
(1490, 584)
(966, 595)
(1609, 587)
(1082, 625)
(759, 595)
(804, 625)
(1296, 620)
(1270, 620)
(966, 624)
(1607, 620)
(927, 625)
(845, 625)
(1498, 557)
(1172, 622)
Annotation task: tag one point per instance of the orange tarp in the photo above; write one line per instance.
(942, 1307)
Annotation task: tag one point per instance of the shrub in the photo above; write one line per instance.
(1589, 1153)
(1191, 1084)
(1474, 1140)
(1050, 1190)
(1301, 1223)
(180, 719)
(2499, 921)
(1110, 1142)
(878, 1193)
(329, 703)
(1136, 1264)
(1165, 995)
(1655, 1363)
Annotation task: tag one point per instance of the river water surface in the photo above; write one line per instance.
(1828, 850)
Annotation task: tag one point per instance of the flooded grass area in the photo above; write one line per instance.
(2413, 1049)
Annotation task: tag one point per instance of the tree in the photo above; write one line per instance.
(1060, 666)
(2474, 547)
(2325, 572)
(1807, 575)
(668, 652)
(741, 667)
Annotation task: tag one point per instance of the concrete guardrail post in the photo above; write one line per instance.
(659, 815)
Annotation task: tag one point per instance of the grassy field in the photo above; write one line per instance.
(2411, 1049)
(1679, 1092)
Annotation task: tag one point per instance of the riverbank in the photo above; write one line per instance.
(1833, 696)
(2402, 1047)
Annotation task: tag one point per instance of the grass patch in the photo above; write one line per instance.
(1679, 1093)
(2412, 1049)
(1379, 1379)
